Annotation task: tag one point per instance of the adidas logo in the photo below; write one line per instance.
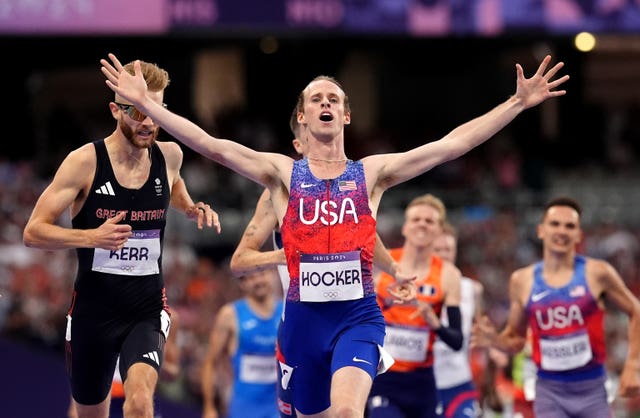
(106, 189)
(152, 355)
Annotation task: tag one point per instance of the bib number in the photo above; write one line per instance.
(565, 353)
(330, 277)
(139, 256)
(406, 344)
(258, 369)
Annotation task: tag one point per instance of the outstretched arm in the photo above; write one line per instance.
(263, 168)
(392, 169)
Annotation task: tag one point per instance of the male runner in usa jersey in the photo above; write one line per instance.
(249, 257)
(330, 204)
(562, 300)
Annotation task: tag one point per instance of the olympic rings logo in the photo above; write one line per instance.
(331, 294)
(128, 269)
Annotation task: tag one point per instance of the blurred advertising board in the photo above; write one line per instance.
(334, 17)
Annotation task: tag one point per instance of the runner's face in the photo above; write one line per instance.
(324, 111)
(560, 229)
(444, 246)
(259, 284)
(422, 225)
(140, 132)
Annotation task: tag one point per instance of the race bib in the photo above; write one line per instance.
(330, 277)
(258, 369)
(139, 256)
(406, 344)
(565, 353)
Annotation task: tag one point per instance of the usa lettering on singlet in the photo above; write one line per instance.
(328, 231)
(566, 323)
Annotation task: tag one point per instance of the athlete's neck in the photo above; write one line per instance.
(327, 160)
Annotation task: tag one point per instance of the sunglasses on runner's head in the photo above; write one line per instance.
(132, 112)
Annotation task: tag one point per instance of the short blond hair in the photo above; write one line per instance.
(157, 78)
(429, 200)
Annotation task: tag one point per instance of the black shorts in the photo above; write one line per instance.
(93, 346)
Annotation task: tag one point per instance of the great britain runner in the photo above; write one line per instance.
(119, 303)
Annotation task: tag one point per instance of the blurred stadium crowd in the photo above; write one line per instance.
(496, 237)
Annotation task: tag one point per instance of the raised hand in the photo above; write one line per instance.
(533, 91)
(130, 87)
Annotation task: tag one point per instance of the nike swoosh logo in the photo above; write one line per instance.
(359, 360)
(539, 296)
(307, 185)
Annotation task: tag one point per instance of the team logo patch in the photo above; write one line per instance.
(158, 186)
